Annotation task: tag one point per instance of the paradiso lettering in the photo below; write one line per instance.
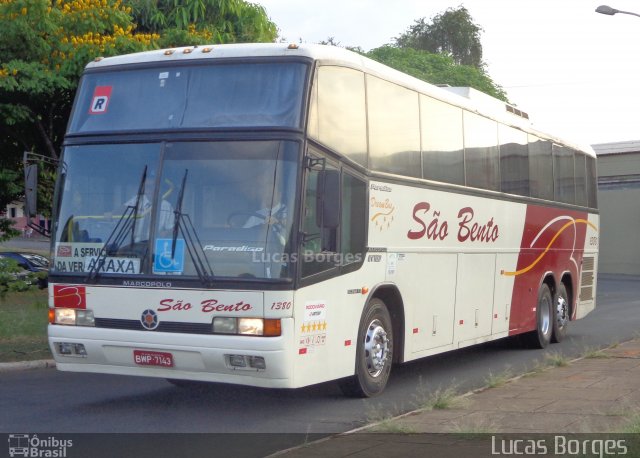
(206, 306)
(433, 228)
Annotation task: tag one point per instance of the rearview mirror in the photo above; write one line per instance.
(31, 190)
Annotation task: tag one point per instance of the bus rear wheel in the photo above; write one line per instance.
(560, 314)
(374, 353)
(541, 337)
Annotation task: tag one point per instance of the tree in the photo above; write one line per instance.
(191, 22)
(452, 33)
(45, 47)
(10, 190)
(46, 44)
(436, 69)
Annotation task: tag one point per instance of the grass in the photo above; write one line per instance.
(440, 399)
(594, 353)
(556, 360)
(23, 326)
(497, 380)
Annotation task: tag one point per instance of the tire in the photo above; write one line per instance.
(541, 337)
(561, 310)
(374, 353)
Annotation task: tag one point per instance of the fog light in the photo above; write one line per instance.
(70, 349)
(65, 348)
(237, 361)
(225, 325)
(79, 350)
(257, 362)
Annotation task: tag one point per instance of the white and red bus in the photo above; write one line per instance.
(280, 216)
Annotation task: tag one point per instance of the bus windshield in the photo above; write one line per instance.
(119, 206)
(225, 95)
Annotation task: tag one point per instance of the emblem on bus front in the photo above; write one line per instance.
(149, 319)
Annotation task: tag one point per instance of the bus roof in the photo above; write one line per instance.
(332, 55)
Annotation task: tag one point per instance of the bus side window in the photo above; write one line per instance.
(353, 229)
(320, 243)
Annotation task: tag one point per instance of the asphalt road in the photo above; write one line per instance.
(56, 402)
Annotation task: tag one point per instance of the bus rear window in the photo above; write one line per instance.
(197, 96)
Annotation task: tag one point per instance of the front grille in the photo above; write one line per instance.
(164, 326)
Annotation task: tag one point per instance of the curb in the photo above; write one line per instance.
(27, 365)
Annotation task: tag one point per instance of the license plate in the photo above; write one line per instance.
(152, 358)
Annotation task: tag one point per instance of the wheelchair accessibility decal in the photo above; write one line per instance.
(163, 262)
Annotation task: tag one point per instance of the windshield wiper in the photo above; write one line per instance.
(177, 212)
(126, 222)
(137, 206)
(182, 223)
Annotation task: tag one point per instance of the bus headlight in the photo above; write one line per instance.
(65, 316)
(74, 317)
(224, 325)
(251, 326)
(247, 326)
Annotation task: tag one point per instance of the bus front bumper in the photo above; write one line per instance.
(209, 358)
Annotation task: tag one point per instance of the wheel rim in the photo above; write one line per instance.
(376, 348)
(545, 317)
(562, 311)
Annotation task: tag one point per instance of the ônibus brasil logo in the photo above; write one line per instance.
(30, 445)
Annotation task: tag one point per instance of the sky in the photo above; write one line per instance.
(576, 72)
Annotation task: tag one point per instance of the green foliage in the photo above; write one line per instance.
(452, 33)
(7, 230)
(193, 22)
(14, 278)
(45, 47)
(10, 190)
(436, 69)
(46, 44)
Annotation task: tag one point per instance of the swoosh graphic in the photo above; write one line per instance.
(571, 223)
(374, 217)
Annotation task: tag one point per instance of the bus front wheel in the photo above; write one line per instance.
(374, 353)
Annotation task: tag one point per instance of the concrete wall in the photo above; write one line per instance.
(619, 203)
(619, 230)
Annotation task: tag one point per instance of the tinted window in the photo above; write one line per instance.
(442, 144)
(592, 182)
(540, 168)
(238, 95)
(482, 164)
(514, 160)
(319, 242)
(580, 167)
(564, 182)
(338, 113)
(394, 128)
(354, 218)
